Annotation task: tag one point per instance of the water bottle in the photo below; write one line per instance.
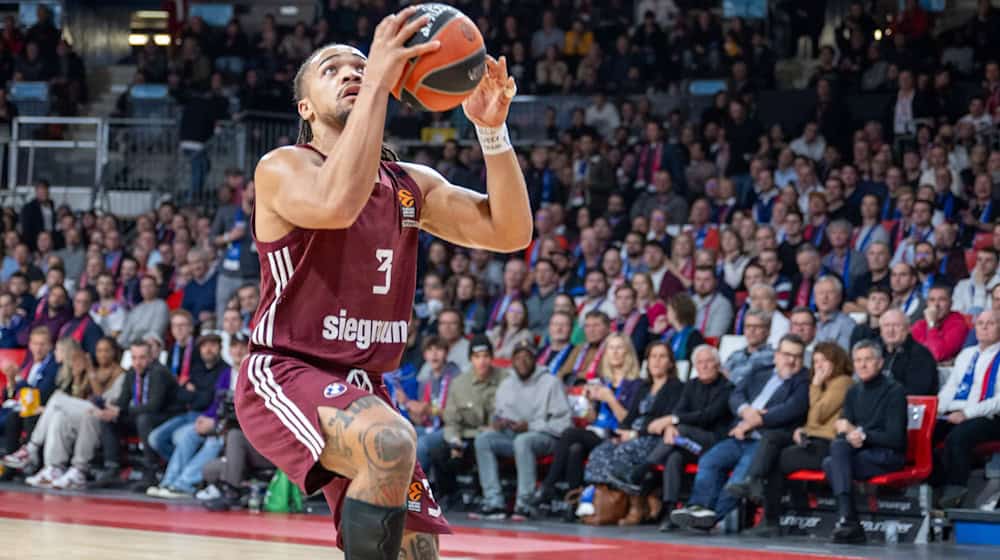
(689, 444)
(891, 532)
(254, 503)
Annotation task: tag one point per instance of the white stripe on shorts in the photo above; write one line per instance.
(277, 402)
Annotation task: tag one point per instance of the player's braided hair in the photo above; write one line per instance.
(305, 129)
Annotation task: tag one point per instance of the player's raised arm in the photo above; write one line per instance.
(501, 220)
(332, 84)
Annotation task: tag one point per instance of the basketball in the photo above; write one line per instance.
(441, 80)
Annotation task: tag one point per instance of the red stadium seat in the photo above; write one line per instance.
(15, 355)
(982, 240)
(919, 461)
(712, 340)
(970, 258)
(501, 362)
(689, 468)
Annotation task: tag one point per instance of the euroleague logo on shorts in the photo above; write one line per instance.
(334, 390)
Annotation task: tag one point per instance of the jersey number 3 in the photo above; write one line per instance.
(384, 257)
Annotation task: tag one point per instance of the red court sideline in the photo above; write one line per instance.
(467, 542)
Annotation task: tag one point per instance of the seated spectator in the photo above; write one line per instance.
(52, 312)
(665, 283)
(968, 405)
(107, 311)
(82, 328)
(770, 261)
(146, 400)
(972, 294)
(870, 440)
(225, 474)
(196, 443)
(511, 331)
(677, 326)
(766, 400)
(615, 458)
(11, 322)
(803, 325)
(425, 410)
(543, 294)
(451, 329)
(557, 347)
(877, 256)
(780, 453)
(199, 293)
(715, 311)
(905, 295)
(762, 297)
(62, 442)
(847, 263)
(18, 285)
(877, 303)
(38, 375)
(941, 330)
(150, 316)
(630, 321)
(71, 384)
(195, 378)
(531, 411)
(757, 355)
(908, 362)
(582, 362)
(514, 272)
(810, 270)
(833, 324)
(607, 404)
(701, 416)
(595, 297)
(468, 410)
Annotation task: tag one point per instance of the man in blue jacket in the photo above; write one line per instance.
(765, 400)
(37, 372)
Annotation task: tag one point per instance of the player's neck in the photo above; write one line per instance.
(324, 138)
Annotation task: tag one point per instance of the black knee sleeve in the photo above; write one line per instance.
(371, 532)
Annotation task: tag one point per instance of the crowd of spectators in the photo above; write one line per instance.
(839, 270)
(39, 53)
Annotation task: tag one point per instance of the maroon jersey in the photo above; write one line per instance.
(343, 298)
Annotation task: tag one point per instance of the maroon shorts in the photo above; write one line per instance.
(277, 400)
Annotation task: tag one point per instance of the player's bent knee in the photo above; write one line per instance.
(365, 438)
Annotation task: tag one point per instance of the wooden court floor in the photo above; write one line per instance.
(51, 526)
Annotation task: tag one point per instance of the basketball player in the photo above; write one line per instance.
(336, 220)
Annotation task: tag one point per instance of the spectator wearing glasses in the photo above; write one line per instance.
(780, 453)
(803, 325)
(757, 354)
(871, 436)
(968, 405)
(767, 400)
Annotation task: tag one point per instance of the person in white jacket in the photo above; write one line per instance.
(969, 408)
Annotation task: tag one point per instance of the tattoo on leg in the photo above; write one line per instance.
(336, 436)
(386, 445)
(422, 547)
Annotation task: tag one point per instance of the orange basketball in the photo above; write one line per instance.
(441, 80)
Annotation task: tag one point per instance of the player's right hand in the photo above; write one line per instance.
(388, 55)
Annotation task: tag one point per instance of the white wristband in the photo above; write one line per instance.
(493, 139)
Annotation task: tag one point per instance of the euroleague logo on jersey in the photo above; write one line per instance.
(407, 204)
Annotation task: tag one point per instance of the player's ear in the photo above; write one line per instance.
(304, 108)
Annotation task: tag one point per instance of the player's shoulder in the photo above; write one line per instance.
(283, 162)
(424, 176)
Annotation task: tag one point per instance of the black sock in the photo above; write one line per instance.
(371, 532)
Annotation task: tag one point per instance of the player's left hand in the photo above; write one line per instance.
(488, 104)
